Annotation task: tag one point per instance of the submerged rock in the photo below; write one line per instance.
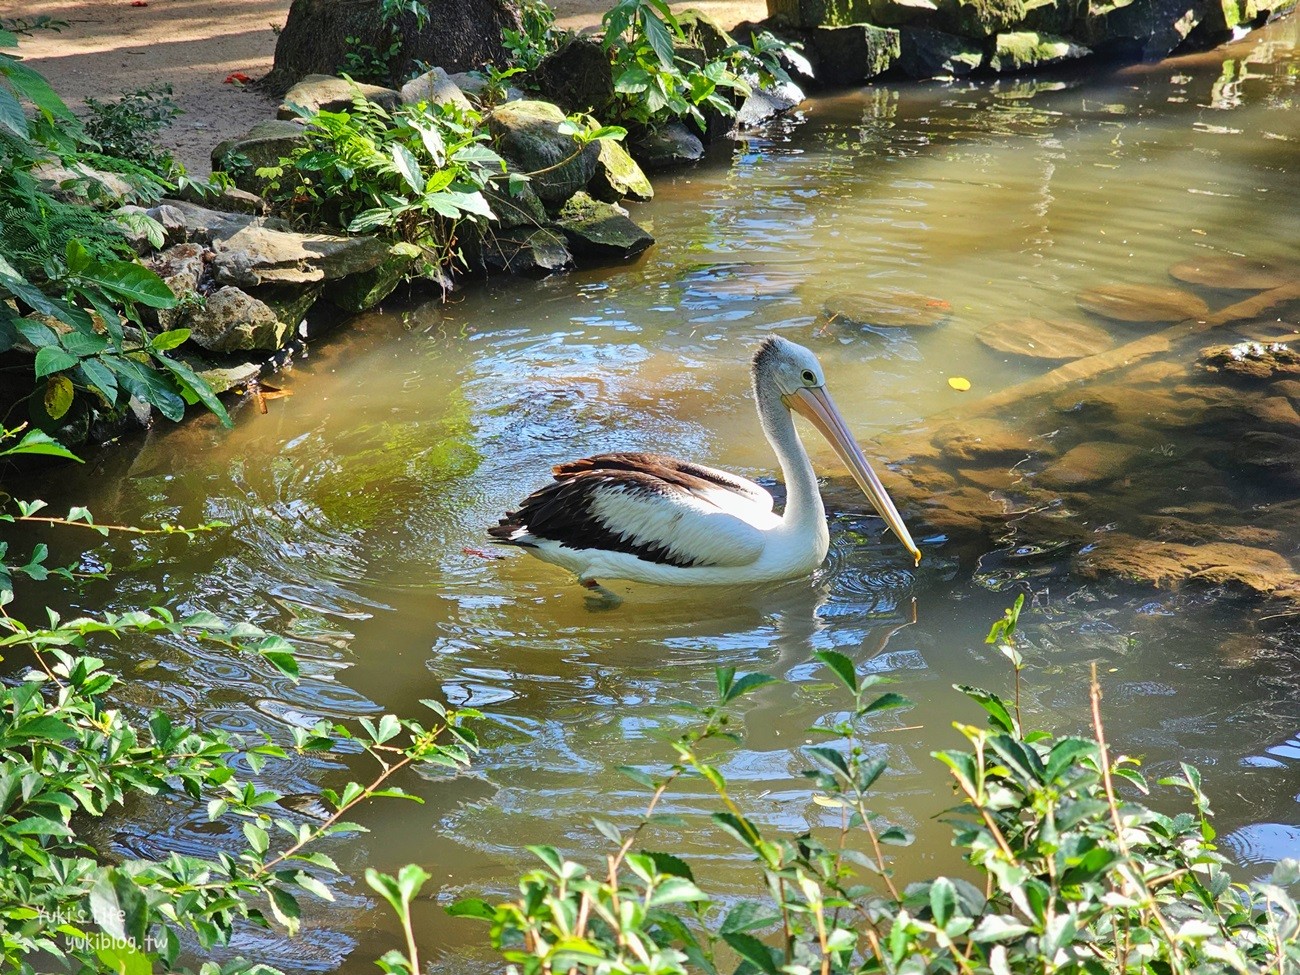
(1230, 273)
(527, 135)
(1167, 564)
(886, 308)
(1142, 303)
(1089, 464)
(600, 230)
(1038, 338)
(326, 93)
(1253, 360)
(985, 441)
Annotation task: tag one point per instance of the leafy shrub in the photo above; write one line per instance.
(1075, 877)
(68, 754)
(652, 84)
(68, 285)
(413, 174)
(126, 128)
(538, 38)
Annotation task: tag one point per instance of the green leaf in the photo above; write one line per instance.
(1065, 753)
(40, 442)
(887, 702)
(408, 167)
(753, 951)
(169, 340)
(12, 116)
(841, 666)
(943, 900)
(637, 776)
(666, 863)
(661, 41)
(32, 85)
(58, 395)
(118, 906)
(193, 382)
(747, 683)
(51, 359)
(472, 907)
(999, 714)
(131, 281)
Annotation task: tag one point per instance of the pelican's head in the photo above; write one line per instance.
(796, 376)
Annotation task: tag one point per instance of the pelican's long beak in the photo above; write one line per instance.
(819, 409)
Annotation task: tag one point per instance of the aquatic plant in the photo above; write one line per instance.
(70, 753)
(1075, 875)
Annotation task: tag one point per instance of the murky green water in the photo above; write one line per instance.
(353, 501)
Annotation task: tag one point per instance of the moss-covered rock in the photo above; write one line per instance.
(1021, 50)
(368, 288)
(1048, 16)
(704, 32)
(853, 54)
(893, 13)
(600, 231)
(618, 176)
(517, 207)
(527, 135)
(230, 320)
(262, 145)
(538, 252)
(979, 18)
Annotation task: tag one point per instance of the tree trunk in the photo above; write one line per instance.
(319, 34)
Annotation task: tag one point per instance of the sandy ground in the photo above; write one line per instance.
(110, 46)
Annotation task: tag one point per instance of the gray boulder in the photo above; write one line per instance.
(673, 145)
(477, 86)
(927, 53)
(765, 104)
(1146, 29)
(362, 291)
(600, 231)
(181, 267)
(260, 255)
(703, 32)
(325, 93)
(618, 176)
(436, 88)
(527, 136)
(229, 320)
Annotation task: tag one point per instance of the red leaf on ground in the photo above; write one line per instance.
(139, 3)
(480, 553)
(237, 77)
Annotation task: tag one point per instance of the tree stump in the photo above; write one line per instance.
(319, 34)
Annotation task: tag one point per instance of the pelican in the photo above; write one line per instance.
(655, 519)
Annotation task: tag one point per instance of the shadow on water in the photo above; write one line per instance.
(358, 505)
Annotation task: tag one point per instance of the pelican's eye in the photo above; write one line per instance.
(809, 377)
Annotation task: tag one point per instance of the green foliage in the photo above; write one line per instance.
(69, 755)
(1074, 877)
(126, 128)
(69, 285)
(538, 38)
(413, 174)
(654, 85)
(368, 63)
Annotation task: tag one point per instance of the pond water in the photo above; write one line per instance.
(353, 502)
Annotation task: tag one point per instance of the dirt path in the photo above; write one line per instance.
(110, 46)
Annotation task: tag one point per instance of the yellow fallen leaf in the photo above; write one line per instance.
(958, 383)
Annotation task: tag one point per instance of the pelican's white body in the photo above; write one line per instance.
(740, 541)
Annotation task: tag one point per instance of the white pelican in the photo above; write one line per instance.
(649, 518)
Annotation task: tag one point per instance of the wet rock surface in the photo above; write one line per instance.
(1142, 303)
(668, 147)
(1253, 360)
(617, 176)
(600, 231)
(1037, 338)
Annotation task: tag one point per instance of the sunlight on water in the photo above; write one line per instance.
(358, 503)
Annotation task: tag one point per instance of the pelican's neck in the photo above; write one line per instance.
(803, 503)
